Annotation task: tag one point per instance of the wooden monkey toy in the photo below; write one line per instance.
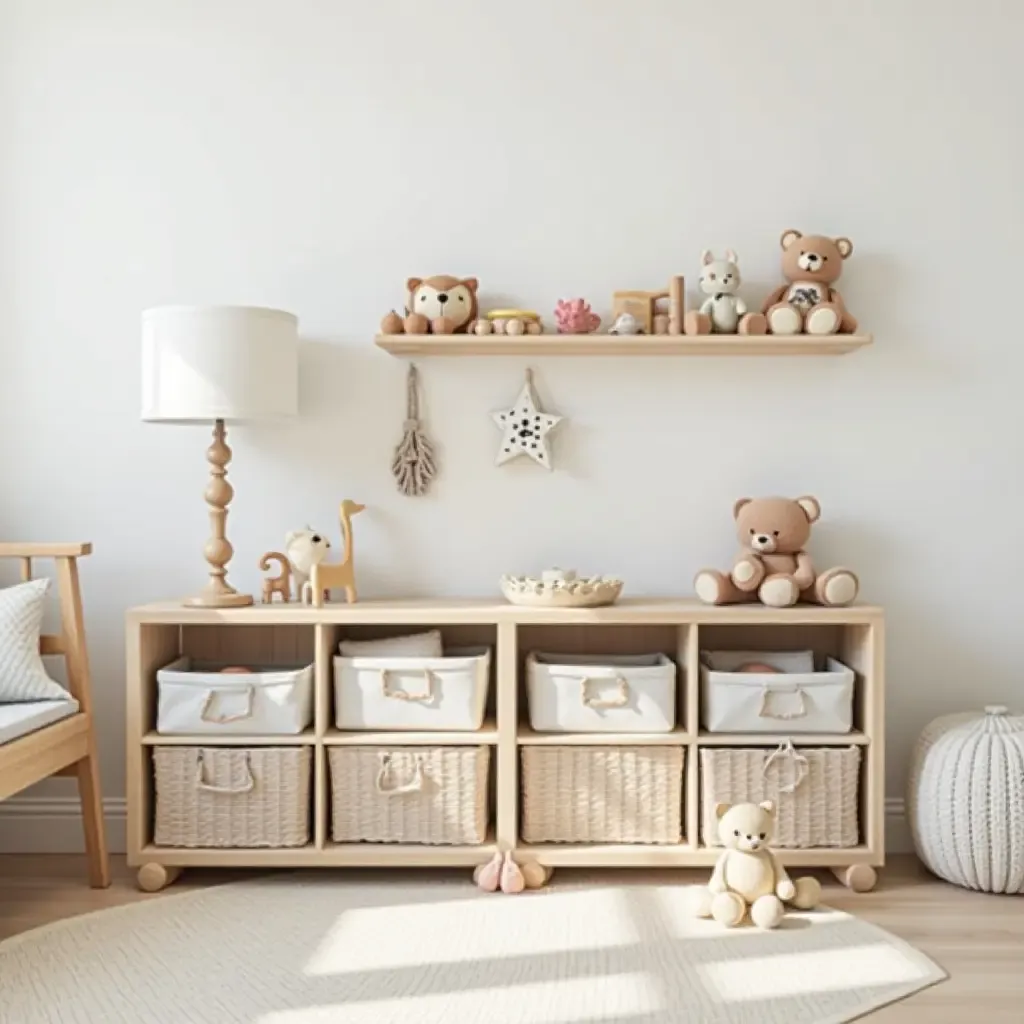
(281, 584)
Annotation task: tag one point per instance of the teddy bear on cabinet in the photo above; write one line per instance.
(435, 305)
(773, 566)
(808, 303)
(748, 878)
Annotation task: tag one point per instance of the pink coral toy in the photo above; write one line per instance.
(574, 316)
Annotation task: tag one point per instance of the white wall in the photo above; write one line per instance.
(312, 155)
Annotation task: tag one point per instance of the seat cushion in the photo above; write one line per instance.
(17, 720)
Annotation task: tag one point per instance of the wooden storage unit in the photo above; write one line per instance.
(285, 634)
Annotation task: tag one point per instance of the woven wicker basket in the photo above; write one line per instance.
(430, 795)
(815, 791)
(602, 794)
(232, 796)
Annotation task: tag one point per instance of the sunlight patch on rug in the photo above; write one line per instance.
(367, 937)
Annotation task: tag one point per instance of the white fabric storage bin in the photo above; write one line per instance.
(601, 693)
(413, 693)
(774, 702)
(429, 795)
(198, 699)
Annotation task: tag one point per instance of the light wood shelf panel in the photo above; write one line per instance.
(156, 739)
(621, 345)
(608, 855)
(677, 737)
(487, 735)
(332, 855)
(490, 610)
(763, 739)
(158, 633)
(637, 855)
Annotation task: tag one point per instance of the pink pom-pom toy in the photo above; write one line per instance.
(574, 316)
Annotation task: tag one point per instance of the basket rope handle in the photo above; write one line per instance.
(620, 699)
(425, 695)
(207, 787)
(783, 716)
(414, 785)
(802, 765)
(207, 715)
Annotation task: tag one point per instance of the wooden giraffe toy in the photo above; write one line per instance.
(329, 575)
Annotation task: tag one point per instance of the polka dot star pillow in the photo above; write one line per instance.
(22, 673)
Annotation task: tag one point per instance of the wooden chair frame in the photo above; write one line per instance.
(67, 747)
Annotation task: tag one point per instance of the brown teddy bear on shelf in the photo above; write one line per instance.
(773, 566)
(807, 303)
(435, 305)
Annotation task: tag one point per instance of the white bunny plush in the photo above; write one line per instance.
(720, 281)
(723, 311)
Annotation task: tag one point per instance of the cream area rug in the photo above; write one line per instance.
(327, 949)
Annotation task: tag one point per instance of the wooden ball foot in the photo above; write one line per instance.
(857, 877)
(536, 875)
(154, 877)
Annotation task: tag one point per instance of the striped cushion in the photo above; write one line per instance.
(22, 674)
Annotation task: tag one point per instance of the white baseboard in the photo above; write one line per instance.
(52, 825)
(897, 828)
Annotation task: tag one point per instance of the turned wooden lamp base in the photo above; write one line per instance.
(218, 593)
(232, 600)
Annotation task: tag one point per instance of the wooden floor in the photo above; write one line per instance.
(977, 939)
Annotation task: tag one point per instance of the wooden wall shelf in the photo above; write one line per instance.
(294, 634)
(621, 345)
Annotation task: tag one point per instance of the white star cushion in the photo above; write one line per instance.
(22, 673)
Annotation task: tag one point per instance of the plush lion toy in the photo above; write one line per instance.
(435, 305)
(748, 879)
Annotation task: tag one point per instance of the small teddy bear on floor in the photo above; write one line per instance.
(748, 878)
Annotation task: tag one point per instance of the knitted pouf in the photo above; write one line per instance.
(966, 799)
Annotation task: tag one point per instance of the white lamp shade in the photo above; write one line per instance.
(204, 363)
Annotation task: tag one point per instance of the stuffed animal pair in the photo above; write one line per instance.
(807, 303)
(748, 879)
(773, 566)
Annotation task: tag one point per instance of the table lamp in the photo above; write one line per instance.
(212, 364)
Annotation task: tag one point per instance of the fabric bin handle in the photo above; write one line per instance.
(784, 716)
(620, 699)
(425, 695)
(802, 765)
(414, 785)
(207, 787)
(207, 714)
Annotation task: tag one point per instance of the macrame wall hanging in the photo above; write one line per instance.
(525, 428)
(413, 464)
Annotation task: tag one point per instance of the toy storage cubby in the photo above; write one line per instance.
(680, 629)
